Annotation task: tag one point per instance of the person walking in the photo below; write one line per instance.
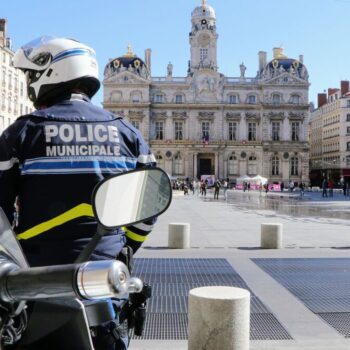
(51, 160)
(217, 185)
(225, 186)
(324, 187)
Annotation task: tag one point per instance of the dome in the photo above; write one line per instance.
(129, 61)
(205, 11)
(286, 63)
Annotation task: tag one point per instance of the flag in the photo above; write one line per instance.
(205, 139)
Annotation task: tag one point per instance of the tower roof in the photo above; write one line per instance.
(204, 11)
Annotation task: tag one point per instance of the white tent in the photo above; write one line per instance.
(258, 180)
(242, 179)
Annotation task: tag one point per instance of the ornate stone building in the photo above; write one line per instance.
(207, 123)
(14, 100)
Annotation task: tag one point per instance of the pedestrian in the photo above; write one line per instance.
(53, 157)
(302, 189)
(203, 188)
(282, 186)
(217, 185)
(225, 186)
(291, 185)
(330, 186)
(324, 187)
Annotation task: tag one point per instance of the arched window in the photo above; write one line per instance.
(251, 99)
(135, 97)
(116, 96)
(252, 165)
(275, 165)
(294, 163)
(276, 99)
(295, 99)
(232, 99)
(233, 165)
(178, 165)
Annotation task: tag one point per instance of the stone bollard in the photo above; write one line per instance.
(179, 235)
(218, 318)
(271, 236)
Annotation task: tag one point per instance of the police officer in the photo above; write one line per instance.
(52, 158)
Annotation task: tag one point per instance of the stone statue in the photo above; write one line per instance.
(242, 68)
(170, 69)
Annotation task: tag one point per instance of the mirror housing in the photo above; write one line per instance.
(131, 197)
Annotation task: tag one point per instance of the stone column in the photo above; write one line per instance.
(218, 318)
(195, 160)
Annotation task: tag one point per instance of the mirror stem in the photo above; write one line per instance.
(90, 247)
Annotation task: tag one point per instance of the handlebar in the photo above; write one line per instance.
(90, 280)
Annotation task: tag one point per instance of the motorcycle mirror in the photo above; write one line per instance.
(131, 197)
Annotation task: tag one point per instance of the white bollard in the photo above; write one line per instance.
(179, 235)
(271, 236)
(218, 318)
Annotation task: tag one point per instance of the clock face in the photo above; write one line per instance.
(204, 39)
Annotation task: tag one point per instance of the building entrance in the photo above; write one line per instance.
(205, 165)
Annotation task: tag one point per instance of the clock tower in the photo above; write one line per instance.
(203, 38)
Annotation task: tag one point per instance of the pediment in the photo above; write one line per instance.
(285, 79)
(126, 77)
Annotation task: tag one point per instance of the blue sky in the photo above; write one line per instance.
(317, 29)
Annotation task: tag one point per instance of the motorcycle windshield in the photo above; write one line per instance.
(9, 245)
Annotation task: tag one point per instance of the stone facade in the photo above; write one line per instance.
(207, 123)
(14, 100)
(330, 136)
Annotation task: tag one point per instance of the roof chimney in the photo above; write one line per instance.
(148, 53)
(262, 60)
(2, 32)
(344, 87)
(321, 99)
(301, 58)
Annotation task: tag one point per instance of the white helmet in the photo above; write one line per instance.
(55, 66)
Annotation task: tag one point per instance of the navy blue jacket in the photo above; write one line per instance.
(51, 160)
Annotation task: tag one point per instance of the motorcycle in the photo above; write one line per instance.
(67, 302)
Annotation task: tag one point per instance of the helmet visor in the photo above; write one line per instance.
(36, 43)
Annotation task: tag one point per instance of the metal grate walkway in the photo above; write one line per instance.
(323, 285)
(171, 281)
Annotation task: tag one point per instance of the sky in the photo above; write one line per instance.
(316, 29)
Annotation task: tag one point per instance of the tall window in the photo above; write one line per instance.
(295, 99)
(348, 146)
(21, 89)
(178, 131)
(233, 165)
(275, 165)
(205, 130)
(348, 117)
(159, 130)
(347, 161)
(348, 103)
(135, 97)
(294, 163)
(348, 130)
(203, 54)
(251, 99)
(136, 124)
(159, 98)
(276, 129)
(295, 131)
(276, 99)
(232, 131)
(252, 165)
(178, 164)
(178, 98)
(232, 99)
(252, 131)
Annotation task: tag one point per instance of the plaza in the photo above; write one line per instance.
(300, 296)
